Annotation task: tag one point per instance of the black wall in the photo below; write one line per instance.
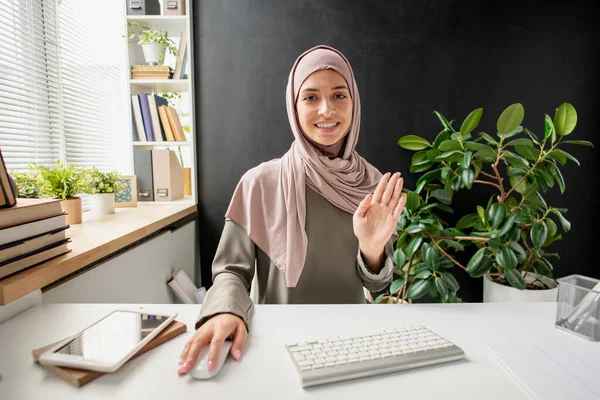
(409, 58)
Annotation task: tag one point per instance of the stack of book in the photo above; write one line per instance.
(31, 232)
(150, 72)
(154, 120)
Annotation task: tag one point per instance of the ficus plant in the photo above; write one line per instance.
(511, 232)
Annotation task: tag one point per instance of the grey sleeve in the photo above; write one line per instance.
(233, 270)
(377, 282)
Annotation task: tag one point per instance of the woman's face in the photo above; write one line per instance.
(324, 107)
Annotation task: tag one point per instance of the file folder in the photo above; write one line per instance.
(143, 7)
(167, 175)
(142, 165)
(173, 7)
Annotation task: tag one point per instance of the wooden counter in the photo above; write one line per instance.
(97, 237)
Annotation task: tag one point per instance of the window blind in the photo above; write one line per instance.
(30, 121)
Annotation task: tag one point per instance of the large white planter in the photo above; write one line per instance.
(496, 293)
(102, 203)
(152, 53)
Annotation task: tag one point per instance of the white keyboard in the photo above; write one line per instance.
(338, 359)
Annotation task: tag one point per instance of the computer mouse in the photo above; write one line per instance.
(200, 370)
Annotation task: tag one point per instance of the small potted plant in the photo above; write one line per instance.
(511, 232)
(102, 186)
(28, 184)
(63, 182)
(154, 42)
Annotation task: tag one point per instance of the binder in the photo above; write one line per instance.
(173, 7)
(146, 116)
(143, 7)
(167, 175)
(142, 165)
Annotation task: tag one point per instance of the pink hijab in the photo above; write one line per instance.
(270, 199)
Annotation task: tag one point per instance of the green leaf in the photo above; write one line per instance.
(412, 201)
(487, 154)
(538, 234)
(483, 268)
(481, 213)
(517, 171)
(399, 258)
(413, 142)
(565, 119)
(558, 155)
(444, 121)
(549, 130)
(515, 160)
(555, 172)
(514, 179)
(423, 274)
(568, 156)
(581, 142)
(566, 225)
(512, 133)
(496, 214)
(432, 154)
(507, 224)
(552, 229)
(520, 142)
(443, 135)
(440, 286)
(468, 221)
(532, 136)
(414, 228)
(471, 121)
(421, 166)
(454, 244)
(414, 244)
(476, 259)
(397, 285)
(518, 250)
(476, 146)
(432, 258)
(417, 289)
(468, 176)
(507, 258)
(488, 138)
(515, 278)
(530, 153)
(442, 196)
(510, 118)
(465, 162)
(448, 145)
(429, 176)
(418, 157)
(445, 173)
(401, 240)
(450, 281)
(448, 154)
(445, 207)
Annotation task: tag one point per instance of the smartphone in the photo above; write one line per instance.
(108, 343)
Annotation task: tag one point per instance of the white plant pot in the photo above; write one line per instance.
(103, 203)
(152, 53)
(497, 293)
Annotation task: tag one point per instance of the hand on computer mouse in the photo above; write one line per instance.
(214, 333)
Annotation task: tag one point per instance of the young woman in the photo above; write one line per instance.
(317, 224)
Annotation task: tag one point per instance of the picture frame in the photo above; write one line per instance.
(128, 196)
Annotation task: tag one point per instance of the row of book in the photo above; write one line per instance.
(150, 72)
(154, 120)
(31, 232)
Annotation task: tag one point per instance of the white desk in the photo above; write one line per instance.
(266, 370)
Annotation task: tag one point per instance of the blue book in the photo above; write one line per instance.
(146, 116)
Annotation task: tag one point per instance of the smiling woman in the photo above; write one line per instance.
(316, 225)
(324, 107)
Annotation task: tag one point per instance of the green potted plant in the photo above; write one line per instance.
(511, 232)
(28, 184)
(63, 182)
(102, 187)
(154, 42)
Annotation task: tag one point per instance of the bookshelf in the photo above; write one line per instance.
(175, 25)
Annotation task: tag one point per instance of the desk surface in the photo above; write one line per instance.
(266, 370)
(97, 237)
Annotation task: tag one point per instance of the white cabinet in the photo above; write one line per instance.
(138, 275)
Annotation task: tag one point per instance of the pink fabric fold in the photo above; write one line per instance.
(270, 199)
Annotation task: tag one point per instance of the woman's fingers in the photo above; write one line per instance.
(238, 341)
(400, 206)
(215, 348)
(389, 190)
(364, 205)
(381, 187)
(196, 343)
